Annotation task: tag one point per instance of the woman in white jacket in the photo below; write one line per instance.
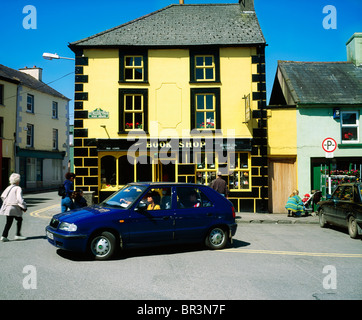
(13, 207)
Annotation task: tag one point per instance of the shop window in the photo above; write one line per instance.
(205, 109)
(350, 126)
(205, 168)
(108, 172)
(133, 110)
(239, 177)
(125, 170)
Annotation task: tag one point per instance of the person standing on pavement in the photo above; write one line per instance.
(13, 207)
(67, 202)
(219, 185)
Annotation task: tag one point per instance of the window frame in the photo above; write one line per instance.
(196, 53)
(344, 126)
(217, 119)
(55, 110)
(121, 121)
(123, 55)
(31, 110)
(30, 128)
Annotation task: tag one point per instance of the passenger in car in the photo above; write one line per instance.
(151, 202)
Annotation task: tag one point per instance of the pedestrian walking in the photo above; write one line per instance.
(219, 185)
(13, 207)
(79, 200)
(67, 202)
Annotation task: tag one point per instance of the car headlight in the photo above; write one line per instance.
(65, 226)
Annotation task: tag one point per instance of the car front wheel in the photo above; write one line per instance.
(103, 245)
(352, 227)
(216, 238)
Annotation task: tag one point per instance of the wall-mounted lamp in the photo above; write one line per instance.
(105, 128)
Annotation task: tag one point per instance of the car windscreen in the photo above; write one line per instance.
(125, 197)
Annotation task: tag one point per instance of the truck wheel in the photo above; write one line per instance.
(352, 227)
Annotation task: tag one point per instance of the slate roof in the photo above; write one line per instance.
(184, 25)
(22, 78)
(323, 82)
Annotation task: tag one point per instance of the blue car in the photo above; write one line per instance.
(143, 214)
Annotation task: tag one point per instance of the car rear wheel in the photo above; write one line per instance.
(352, 227)
(216, 239)
(103, 245)
(322, 219)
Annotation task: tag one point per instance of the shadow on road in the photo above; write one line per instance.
(149, 251)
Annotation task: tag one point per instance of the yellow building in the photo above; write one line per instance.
(177, 95)
(33, 129)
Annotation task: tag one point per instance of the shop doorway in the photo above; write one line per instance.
(164, 172)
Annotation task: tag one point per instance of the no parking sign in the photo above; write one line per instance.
(329, 145)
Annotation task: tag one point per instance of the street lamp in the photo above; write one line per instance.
(51, 56)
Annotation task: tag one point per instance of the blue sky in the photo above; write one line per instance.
(293, 31)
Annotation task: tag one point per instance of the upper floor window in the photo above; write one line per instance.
(350, 126)
(205, 109)
(55, 139)
(133, 66)
(1, 94)
(204, 68)
(133, 110)
(30, 103)
(55, 110)
(29, 135)
(204, 65)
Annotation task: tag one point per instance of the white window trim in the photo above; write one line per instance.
(350, 126)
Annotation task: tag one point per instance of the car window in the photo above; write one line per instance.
(337, 193)
(347, 194)
(158, 199)
(189, 197)
(125, 197)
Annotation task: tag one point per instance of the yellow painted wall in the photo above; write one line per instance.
(42, 120)
(168, 90)
(282, 132)
(8, 113)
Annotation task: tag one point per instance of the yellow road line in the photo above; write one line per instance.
(38, 213)
(295, 253)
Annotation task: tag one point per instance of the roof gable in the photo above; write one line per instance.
(321, 82)
(184, 25)
(22, 78)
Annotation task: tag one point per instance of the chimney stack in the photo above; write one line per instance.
(354, 49)
(247, 5)
(35, 72)
(181, 1)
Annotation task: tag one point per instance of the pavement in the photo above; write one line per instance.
(275, 218)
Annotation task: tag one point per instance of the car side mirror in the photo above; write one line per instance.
(142, 206)
(328, 197)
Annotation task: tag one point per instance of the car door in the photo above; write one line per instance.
(343, 206)
(194, 213)
(329, 207)
(154, 223)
